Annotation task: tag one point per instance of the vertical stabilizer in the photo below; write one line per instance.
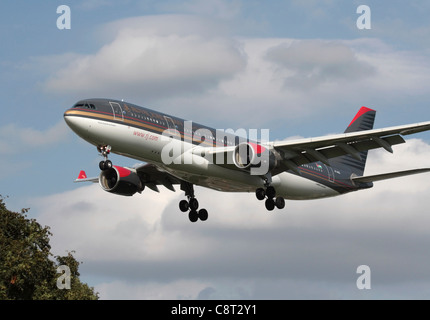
(363, 120)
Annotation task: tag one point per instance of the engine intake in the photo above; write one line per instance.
(121, 181)
(254, 157)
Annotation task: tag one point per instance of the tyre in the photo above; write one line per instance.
(280, 203)
(102, 165)
(194, 204)
(203, 214)
(183, 205)
(260, 194)
(270, 192)
(270, 204)
(193, 216)
(108, 164)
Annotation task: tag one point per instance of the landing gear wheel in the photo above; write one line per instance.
(193, 216)
(270, 204)
(105, 165)
(270, 192)
(194, 204)
(108, 164)
(280, 203)
(260, 194)
(183, 205)
(203, 214)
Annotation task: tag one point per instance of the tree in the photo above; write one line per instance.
(26, 268)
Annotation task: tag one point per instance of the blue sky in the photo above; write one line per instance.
(299, 68)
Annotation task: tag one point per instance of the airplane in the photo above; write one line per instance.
(185, 153)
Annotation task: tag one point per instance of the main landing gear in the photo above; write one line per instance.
(192, 204)
(271, 200)
(105, 164)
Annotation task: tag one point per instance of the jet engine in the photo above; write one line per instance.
(248, 155)
(121, 181)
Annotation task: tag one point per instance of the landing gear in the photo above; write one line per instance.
(192, 204)
(269, 194)
(105, 164)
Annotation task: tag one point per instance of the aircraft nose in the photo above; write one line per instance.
(77, 124)
(68, 117)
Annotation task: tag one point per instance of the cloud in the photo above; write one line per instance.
(14, 139)
(188, 63)
(286, 80)
(311, 249)
(157, 57)
(182, 289)
(310, 63)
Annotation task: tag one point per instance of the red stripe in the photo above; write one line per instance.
(360, 112)
(257, 148)
(123, 172)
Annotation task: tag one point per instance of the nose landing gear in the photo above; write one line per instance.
(105, 164)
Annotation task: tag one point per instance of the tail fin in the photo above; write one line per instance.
(363, 120)
(82, 175)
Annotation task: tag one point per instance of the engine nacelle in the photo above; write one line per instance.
(120, 181)
(248, 155)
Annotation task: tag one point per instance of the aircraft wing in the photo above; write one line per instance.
(151, 176)
(298, 152)
(384, 176)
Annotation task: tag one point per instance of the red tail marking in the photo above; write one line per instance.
(82, 175)
(360, 112)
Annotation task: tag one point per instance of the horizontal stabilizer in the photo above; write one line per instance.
(82, 177)
(385, 176)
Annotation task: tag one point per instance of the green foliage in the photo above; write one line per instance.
(26, 269)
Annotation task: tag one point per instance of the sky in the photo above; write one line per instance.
(299, 68)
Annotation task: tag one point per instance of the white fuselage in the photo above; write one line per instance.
(148, 147)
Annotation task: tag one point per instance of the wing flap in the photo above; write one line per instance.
(302, 154)
(151, 176)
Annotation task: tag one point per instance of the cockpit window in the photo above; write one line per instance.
(85, 105)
